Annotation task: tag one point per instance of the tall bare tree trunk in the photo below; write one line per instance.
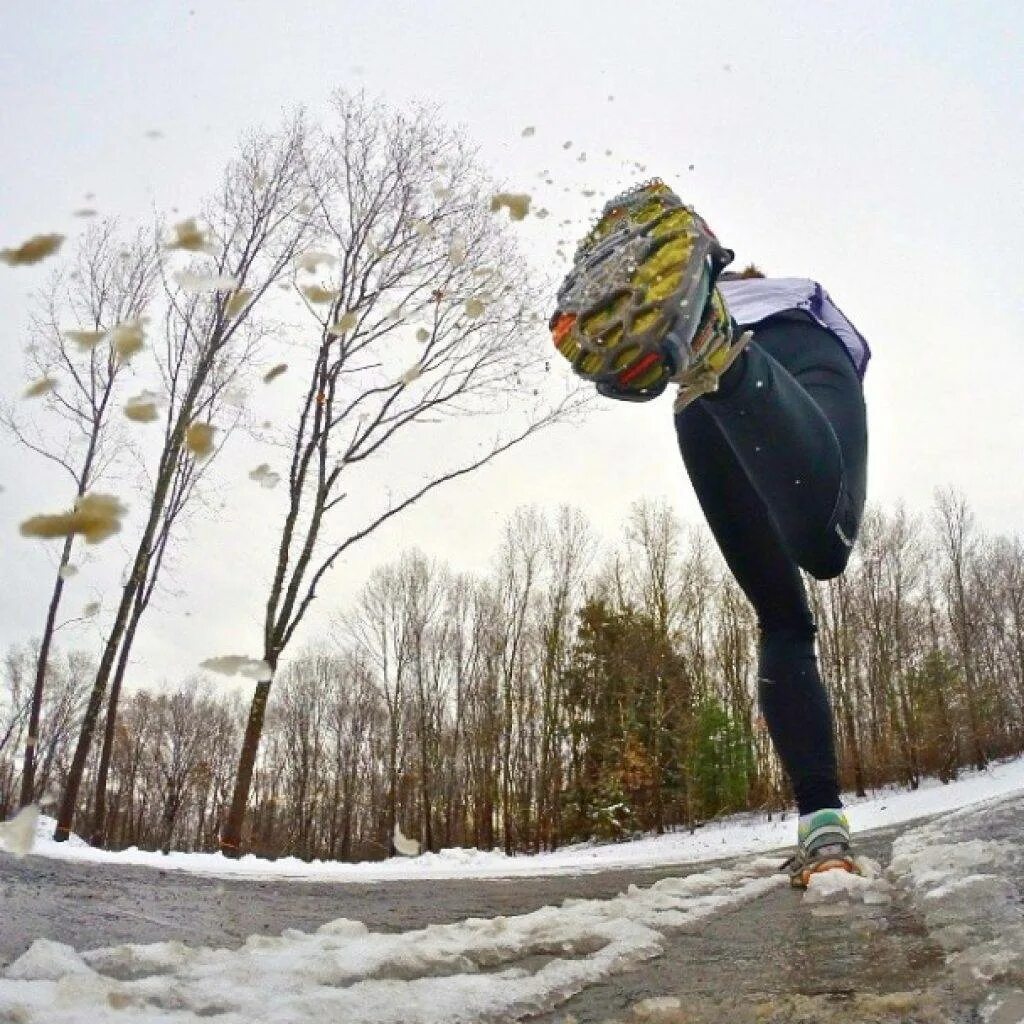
(231, 835)
(28, 771)
(98, 832)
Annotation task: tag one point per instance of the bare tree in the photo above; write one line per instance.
(258, 223)
(378, 631)
(415, 248)
(108, 283)
(955, 525)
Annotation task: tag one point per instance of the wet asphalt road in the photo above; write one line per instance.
(90, 905)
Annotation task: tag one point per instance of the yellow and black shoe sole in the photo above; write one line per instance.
(642, 267)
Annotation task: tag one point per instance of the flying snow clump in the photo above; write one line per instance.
(457, 250)
(34, 250)
(238, 665)
(237, 302)
(142, 408)
(403, 845)
(197, 284)
(517, 204)
(319, 295)
(310, 261)
(95, 517)
(40, 387)
(127, 339)
(18, 834)
(265, 476)
(343, 324)
(199, 440)
(85, 340)
(189, 237)
(411, 374)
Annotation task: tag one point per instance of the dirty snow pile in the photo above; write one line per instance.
(834, 893)
(472, 970)
(734, 836)
(967, 890)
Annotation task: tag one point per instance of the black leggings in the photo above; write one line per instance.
(778, 459)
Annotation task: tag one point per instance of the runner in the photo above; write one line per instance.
(771, 423)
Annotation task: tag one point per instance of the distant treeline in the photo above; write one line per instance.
(572, 692)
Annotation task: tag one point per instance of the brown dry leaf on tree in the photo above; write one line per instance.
(41, 387)
(199, 440)
(237, 302)
(127, 339)
(319, 295)
(474, 308)
(237, 665)
(517, 204)
(422, 334)
(274, 372)
(189, 237)
(85, 340)
(91, 610)
(34, 250)
(67, 572)
(94, 517)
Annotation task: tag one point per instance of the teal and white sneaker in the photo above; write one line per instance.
(823, 844)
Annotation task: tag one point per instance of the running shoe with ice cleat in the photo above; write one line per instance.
(640, 309)
(823, 844)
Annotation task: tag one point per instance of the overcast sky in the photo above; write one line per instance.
(876, 147)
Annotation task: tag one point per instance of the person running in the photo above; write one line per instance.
(771, 423)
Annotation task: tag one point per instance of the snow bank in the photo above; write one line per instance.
(734, 836)
(963, 872)
(469, 971)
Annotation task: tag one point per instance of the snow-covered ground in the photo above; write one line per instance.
(508, 967)
(965, 874)
(729, 837)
